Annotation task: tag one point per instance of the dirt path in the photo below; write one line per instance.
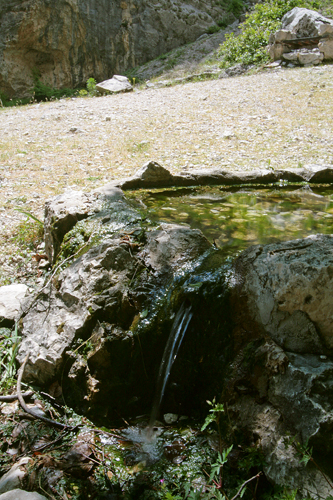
(281, 118)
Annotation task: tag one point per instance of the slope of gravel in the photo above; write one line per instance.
(281, 118)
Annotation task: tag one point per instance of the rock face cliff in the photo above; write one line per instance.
(69, 41)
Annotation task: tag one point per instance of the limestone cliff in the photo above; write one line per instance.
(68, 41)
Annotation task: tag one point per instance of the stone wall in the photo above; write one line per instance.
(69, 41)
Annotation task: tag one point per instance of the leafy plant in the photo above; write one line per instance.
(304, 453)
(213, 29)
(9, 344)
(214, 414)
(6, 101)
(29, 233)
(225, 20)
(91, 86)
(43, 92)
(31, 216)
(249, 47)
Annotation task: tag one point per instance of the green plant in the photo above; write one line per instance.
(213, 29)
(91, 86)
(43, 92)
(225, 20)
(214, 414)
(304, 453)
(249, 47)
(31, 216)
(9, 344)
(216, 475)
(236, 7)
(6, 101)
(29, 233)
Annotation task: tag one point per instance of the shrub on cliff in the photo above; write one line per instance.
(249, 47)
(43, 92)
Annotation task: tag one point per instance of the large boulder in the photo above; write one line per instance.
(282, 376)
(304, 23)
(114, 85)
(112, 304)
(289, 287)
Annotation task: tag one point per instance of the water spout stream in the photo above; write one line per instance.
(179, 327)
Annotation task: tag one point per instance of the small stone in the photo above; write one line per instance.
(228, 134)
(170, 418)
(76, 130)
(43, 264)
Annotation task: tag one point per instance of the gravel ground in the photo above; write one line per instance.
(277, 118)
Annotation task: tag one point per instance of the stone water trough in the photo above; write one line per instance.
(261, 332)
(305, 38)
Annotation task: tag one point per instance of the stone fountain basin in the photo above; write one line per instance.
(261, 332)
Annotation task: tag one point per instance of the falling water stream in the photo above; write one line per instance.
(145, 438)
(179, 327)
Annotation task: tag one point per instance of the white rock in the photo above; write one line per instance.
(282, 35)
(326, 47)
(18, 494)
(116, 84)
(304, 56)
(305, 22)
(11, 298)
(310, 57)
(12, 479)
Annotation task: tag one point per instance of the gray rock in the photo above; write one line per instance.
(12, 298)
(170, 418)
(282, 464)
(326, 48)
(61, 214)
(283, 371)
(150, 175)
(53, 323)
(153, 175)
(18, 494)
(289, 288)
(65, 210)
(173, 246)
(302, 394)
(305, 23)
(14, 477)
(283, 294)
(304, 57)
(115, 85)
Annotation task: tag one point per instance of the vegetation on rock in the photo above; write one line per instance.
(249, 47)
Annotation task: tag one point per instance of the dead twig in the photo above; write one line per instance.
(244, 484)
(13, 397)
(54, 423)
